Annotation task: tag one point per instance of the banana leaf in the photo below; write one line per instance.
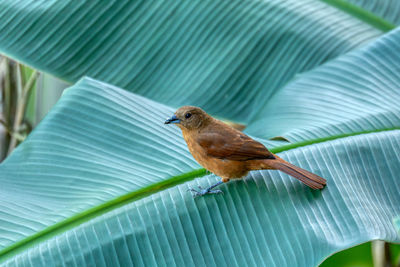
(177, 52)
(102, 181)
(101, 172)
(357, 92)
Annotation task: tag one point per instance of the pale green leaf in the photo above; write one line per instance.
(227, 56)
(85, 188)
(357, 92)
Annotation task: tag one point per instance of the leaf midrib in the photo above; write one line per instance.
(362, 14)
(91, 213)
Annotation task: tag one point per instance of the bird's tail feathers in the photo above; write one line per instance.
(310, 179)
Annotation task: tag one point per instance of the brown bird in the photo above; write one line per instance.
(230, 153)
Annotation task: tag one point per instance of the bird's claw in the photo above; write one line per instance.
(202, 192)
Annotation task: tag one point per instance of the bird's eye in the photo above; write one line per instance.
(188, 115)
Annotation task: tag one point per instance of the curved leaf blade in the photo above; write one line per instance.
(177, 52)
(269, 220)
(62, 183)
(87, 151)
(356, 92)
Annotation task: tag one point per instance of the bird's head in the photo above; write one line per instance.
(189, 117)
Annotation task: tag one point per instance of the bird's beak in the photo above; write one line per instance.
(173, 119)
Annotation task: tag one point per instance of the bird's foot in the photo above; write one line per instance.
(202, 192)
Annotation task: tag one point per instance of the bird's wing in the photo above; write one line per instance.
(231, 144)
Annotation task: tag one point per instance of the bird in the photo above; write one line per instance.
(229, 153)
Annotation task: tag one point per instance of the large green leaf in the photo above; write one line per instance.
(89, 187)
(94, 175)
(226, 56)
(357, 92)
(92, 143)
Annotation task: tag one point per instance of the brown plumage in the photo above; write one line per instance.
(230, 153)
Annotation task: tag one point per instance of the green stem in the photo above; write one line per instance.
(21, 105)
(5, 107)
(362, 14)
(7, 91)
(329, 138)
